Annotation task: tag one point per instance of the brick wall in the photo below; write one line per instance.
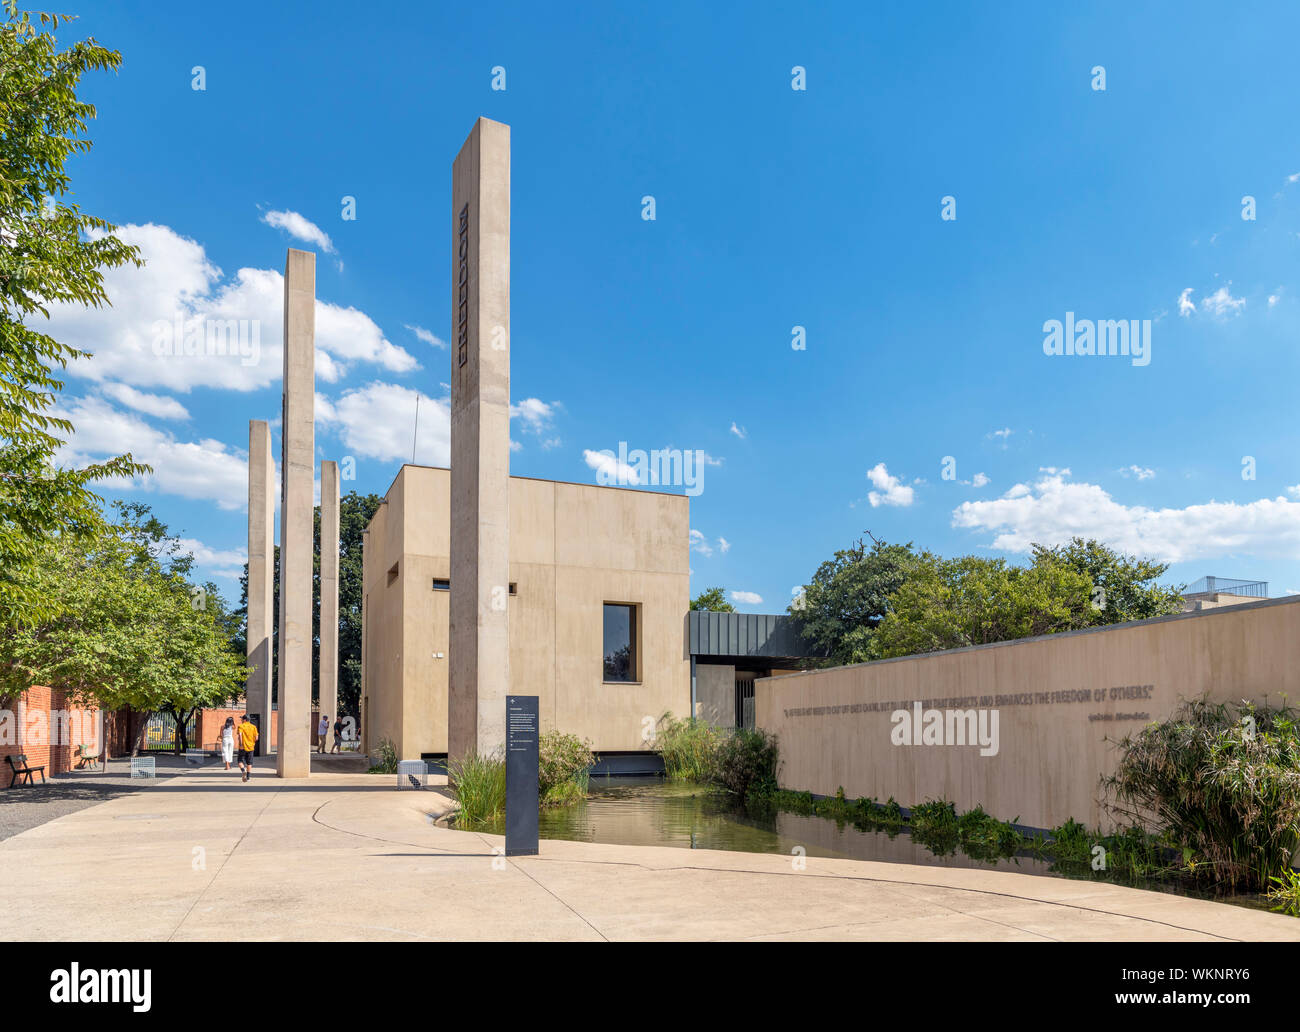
(209, 724)
(41, 724)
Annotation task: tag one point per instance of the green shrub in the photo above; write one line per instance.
(480, 784)
(563, 768)
(689, 748)
(745, 762)
(387, 757)
(1285, 894)
(1222, 782)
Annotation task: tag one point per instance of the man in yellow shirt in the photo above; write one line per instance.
(247, 741)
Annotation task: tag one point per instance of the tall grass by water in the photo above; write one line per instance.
(688, 748)
(563, 772)
(1222, 782)
(563, 768)
(480, 785)
(738, 760)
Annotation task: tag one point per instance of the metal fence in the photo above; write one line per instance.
(1227, 586)
(744, 701)
(160, 733)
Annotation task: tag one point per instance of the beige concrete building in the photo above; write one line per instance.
(599, 588)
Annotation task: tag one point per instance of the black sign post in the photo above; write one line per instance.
(521, 775)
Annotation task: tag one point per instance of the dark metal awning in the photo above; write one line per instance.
(765, 635)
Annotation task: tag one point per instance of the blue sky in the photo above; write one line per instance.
(775, 208)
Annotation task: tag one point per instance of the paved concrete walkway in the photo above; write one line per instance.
(347, 857)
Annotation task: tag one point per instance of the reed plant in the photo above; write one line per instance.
(689, 748)
(563, 768)
(480, 785)
(1221, 782)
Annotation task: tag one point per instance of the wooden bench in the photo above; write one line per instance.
(18, 764)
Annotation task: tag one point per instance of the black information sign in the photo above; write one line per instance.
(521, 775)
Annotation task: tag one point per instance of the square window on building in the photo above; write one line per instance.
(620, 642)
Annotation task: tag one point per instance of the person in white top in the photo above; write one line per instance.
(228, 741)
(322, 731)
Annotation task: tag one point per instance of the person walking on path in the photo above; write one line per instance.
(247, 741)
(322, 731)
(338, 735)
(228, 741)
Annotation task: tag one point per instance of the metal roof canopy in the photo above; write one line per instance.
(768, 635)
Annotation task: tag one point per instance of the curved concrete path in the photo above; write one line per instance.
(347, 857)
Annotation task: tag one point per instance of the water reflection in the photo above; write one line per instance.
(655, 812)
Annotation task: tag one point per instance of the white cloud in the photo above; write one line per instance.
(1275, 298)
(747, 598)
(605, 462)
(889, 489)
(699, 543)
(244, 313)
(535, 415)
(1222, 303)
(377, 421)
(1185, 305)
(426, 335)
(1141, 472)
(1052, 510)
(1004, 433)
(739, 431)
(203, 470)
(724, 546)
(220, 562)
(300, 228)
(980, 480)
(149, 404)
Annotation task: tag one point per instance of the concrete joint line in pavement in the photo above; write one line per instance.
(790, 874)
(315, 816)
(564, 903)
(891, 881)
(217, 873)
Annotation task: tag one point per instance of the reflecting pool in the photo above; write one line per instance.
(645, 811)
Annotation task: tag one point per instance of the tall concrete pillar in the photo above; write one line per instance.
(297, 531)
(479, 664)
(327, 679)
(261, 575)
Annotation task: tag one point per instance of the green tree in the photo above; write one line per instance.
(713, 600)
(50, 251)
(1123, 586)
(355, 513)
(129, 630)
(848, 596)
(974, 600)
